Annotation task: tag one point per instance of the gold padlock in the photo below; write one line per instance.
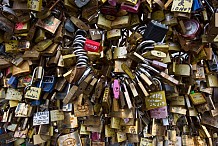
(103, 22)
(34, 5)
(41, 46)
(113, 34)
(121, 22)
(197, 98)
(12, 46)
(120, 53)
(212, 80)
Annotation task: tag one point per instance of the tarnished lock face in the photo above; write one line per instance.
(119, 53)
(114, 34)
(103, 22)
(34, 5)
(183, 69)
(95, 34)
(121, 22)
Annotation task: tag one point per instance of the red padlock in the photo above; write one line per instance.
(92, 46)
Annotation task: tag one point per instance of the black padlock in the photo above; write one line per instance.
(155, 31)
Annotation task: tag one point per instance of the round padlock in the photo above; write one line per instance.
(192, 29)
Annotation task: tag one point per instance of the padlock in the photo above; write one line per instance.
(21, 27)
(34, 5)
(130, 8)
(11, 46)
(23, 45)
(41, 46)
(48, 83)
(192, 29)
(50, 24)
(13, 82)
(34, 92)
(90, 9)
(81, 110)
(121, 22)
(92, 46)
(80, 24)
(212, 28)
(113, 34)
(23, 68)
(95, 34)
(69, 26)
(158, 15)
(103, 22)
(153, 27)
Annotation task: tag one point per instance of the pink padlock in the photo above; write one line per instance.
(159, 113)
(130, 8)
(96, 136)
(92, 46)
(112, 2)
(116, 89)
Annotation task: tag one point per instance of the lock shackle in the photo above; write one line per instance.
(156, 81)
(142, 70)
(34, 73)
(141, 29)
(206, 26)
(145, 46)
(178, 59)
(150, 68)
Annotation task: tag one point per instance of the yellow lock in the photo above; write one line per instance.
(34, 5)
(156, 100)
(103, 22)
(11, 46)
(197, 98)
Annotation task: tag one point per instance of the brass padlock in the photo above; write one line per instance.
(34, 5)
(43, 45)
(50, 24)
(113, 34)
(121, 22)
(212, 80)
(120, 53)
(103, 22)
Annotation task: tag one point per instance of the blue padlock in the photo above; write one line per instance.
(35, 103)
(13, 82)
(48, 83)
(69, 26)
(197, 5)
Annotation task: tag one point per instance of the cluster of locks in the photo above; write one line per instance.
(108, 72)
